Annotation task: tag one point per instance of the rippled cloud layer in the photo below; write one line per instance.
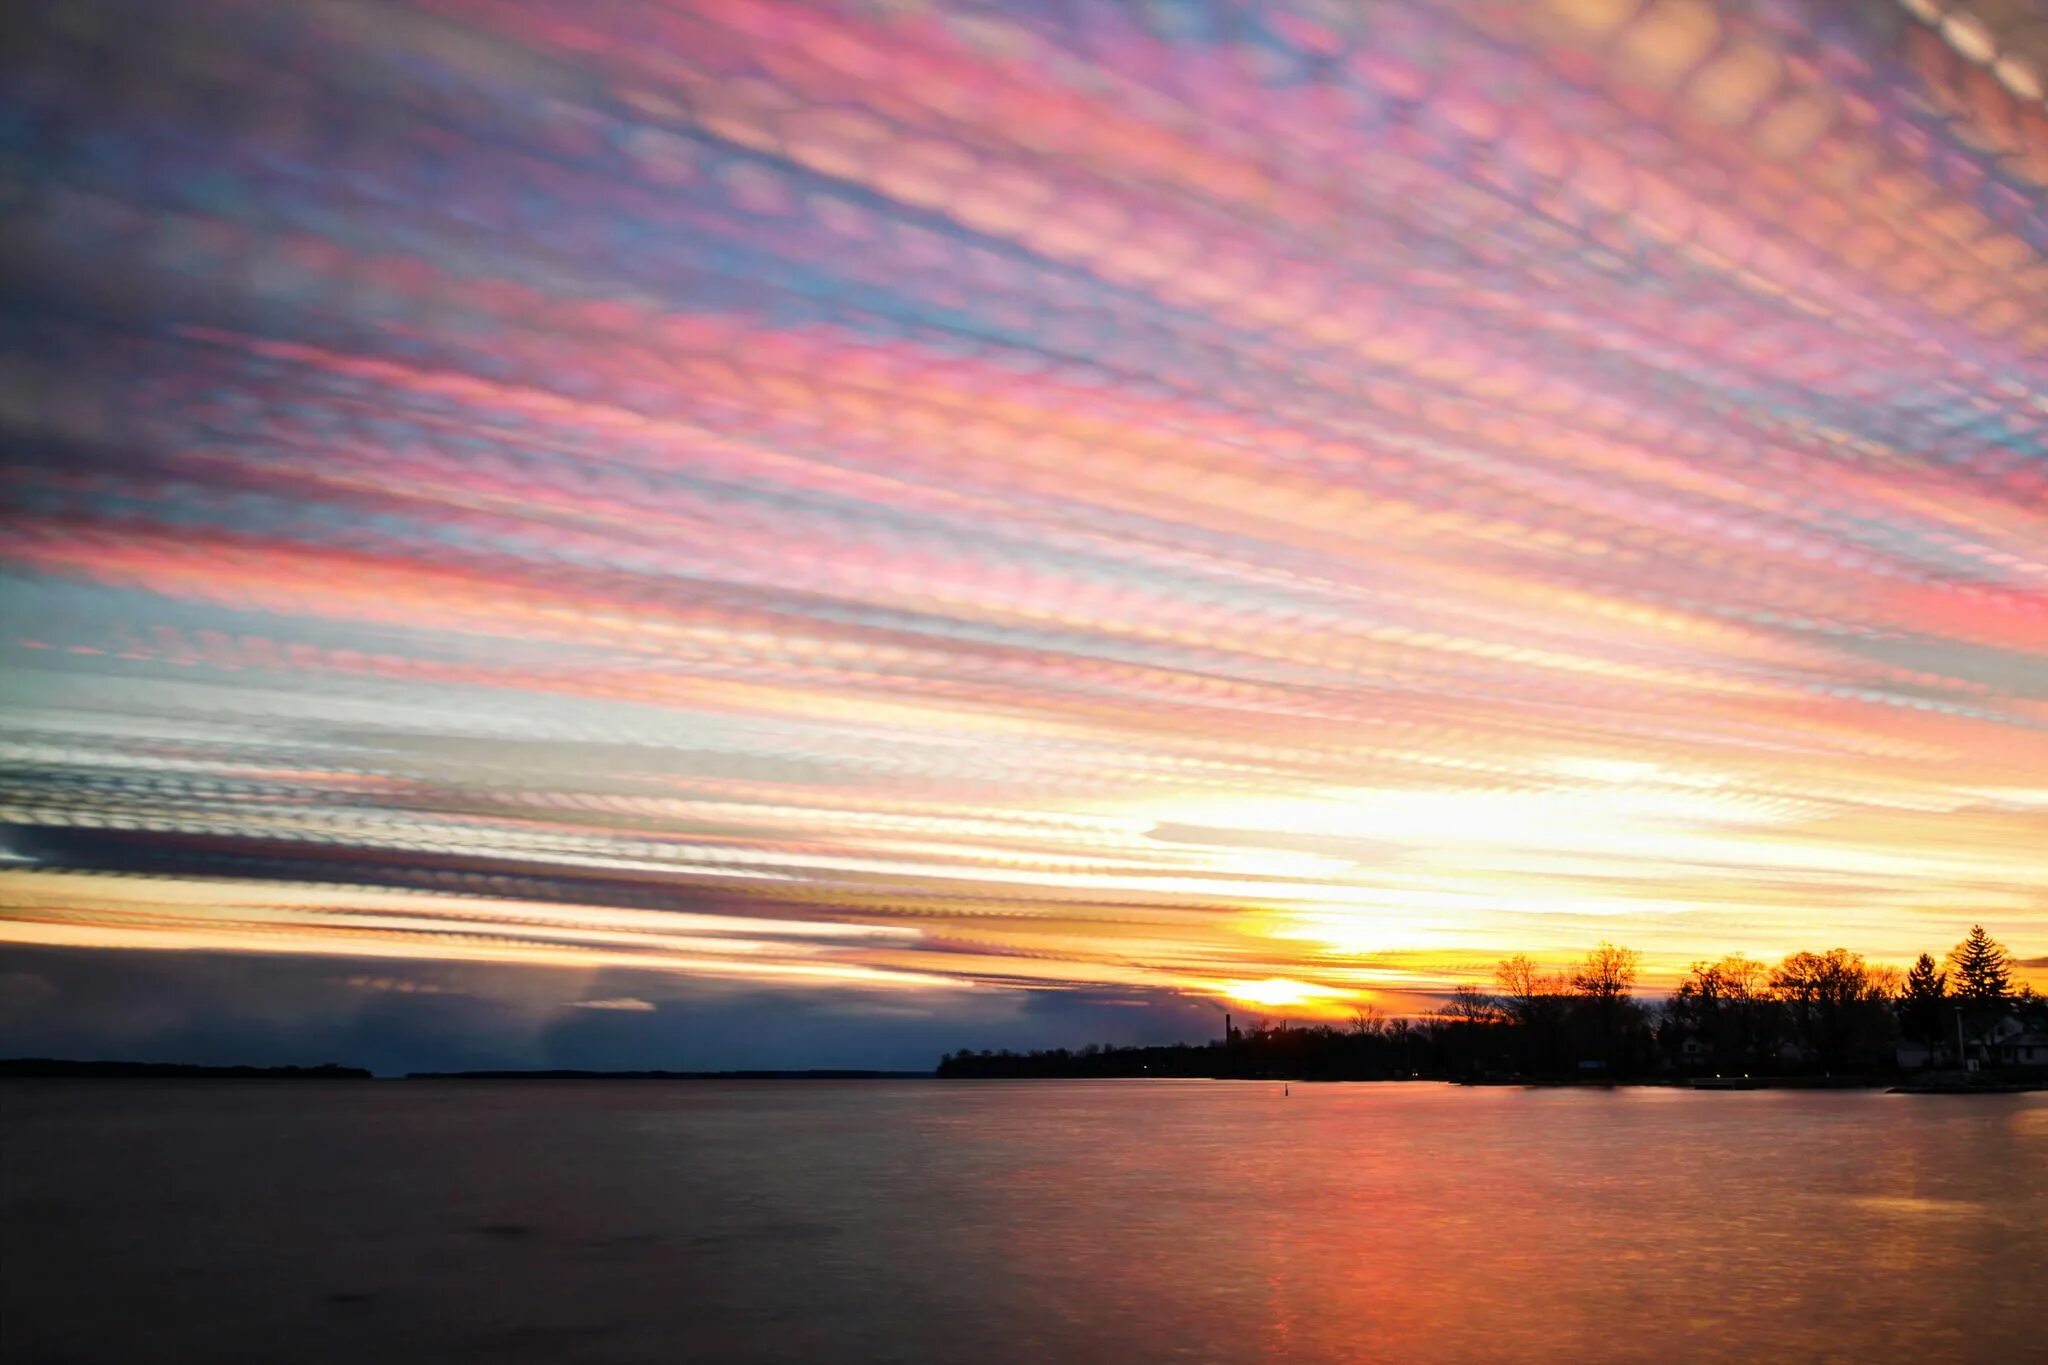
(1291, 500)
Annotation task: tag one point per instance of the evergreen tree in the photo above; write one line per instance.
(1920, 1004)
(1983, 968)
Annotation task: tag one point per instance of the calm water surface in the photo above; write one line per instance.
(1028, 1221)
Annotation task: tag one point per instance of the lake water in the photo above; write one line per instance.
(1027, 1221)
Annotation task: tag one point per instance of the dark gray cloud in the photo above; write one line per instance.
(393, 1017)
(2010, 672)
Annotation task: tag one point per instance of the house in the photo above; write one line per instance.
(2008, 1041)
(2011, 1041)
(2029, 1047)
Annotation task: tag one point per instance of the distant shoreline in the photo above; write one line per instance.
(60, 1069)
(57, 1069)
(810, 1074)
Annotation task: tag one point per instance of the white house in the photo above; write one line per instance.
(2028, 1047)
(2011, 1041)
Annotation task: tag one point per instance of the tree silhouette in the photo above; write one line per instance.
(1522, 983)
(1470, 1005)
(1983, 969)
(1607, 973)
(1836, 1003)
(1536, 1025)
(1920, 1007)
(1603, 981)
(1536, 1001)
(1725, 1007)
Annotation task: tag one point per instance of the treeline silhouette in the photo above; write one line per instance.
(1825, 1014)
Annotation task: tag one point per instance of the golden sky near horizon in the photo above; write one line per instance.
(1286, 503)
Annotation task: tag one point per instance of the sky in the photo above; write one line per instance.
(744, 533)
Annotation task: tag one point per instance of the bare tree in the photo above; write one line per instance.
(1524, 986)
(1603, 981)
(1607, 974)
(1743, 978)
(1470, 1005)
(1725, 1008)
(1536, 1001)
(1840, 1007)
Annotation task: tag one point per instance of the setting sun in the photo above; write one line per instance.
(1278, 992)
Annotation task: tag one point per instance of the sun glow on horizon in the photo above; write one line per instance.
(1281, 993)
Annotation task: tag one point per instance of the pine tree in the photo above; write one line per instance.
(1920, 1004)
(1983, 968)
